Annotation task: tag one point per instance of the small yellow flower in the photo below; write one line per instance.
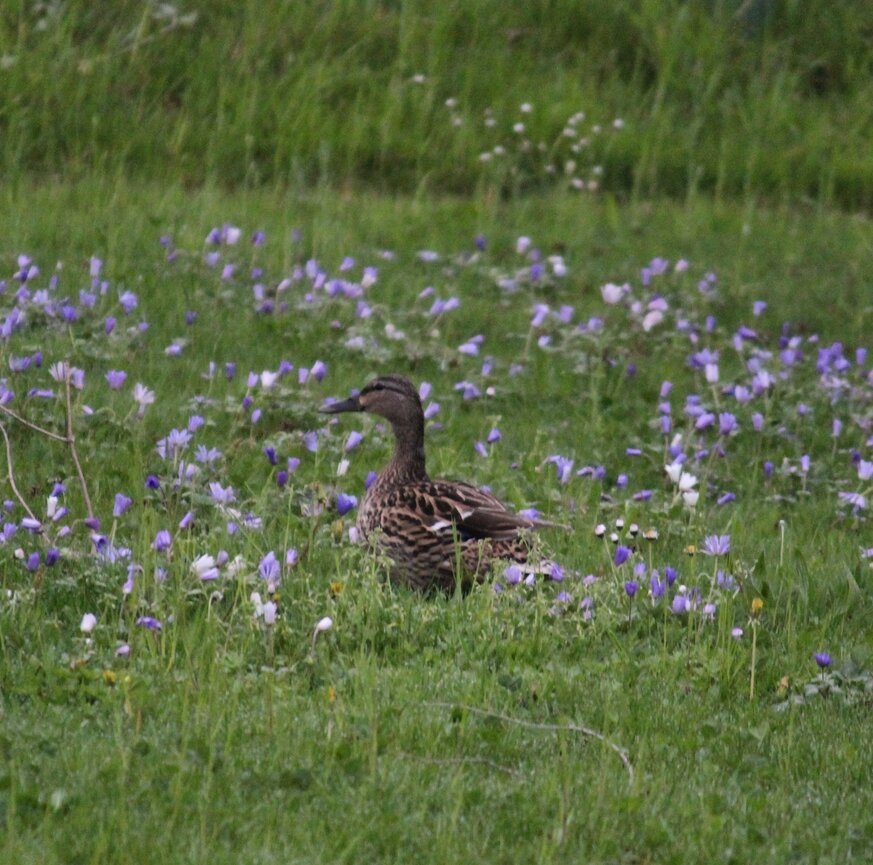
(690, 550)
(331, 695)
(336, 587)
(757, 605)
(109, 677)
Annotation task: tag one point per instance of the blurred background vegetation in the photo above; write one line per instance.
(765, 98)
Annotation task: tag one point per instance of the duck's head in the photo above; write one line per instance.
(392, 397)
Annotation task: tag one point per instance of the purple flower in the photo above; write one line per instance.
(152, 483)
(128, 301)
(657, 586)
(32, 562)
(513, 575)
(622, 554)
(186, 521)
(270, 454)
(51, 556)
(269, 568)
(162, 540)
(564, 467)
(823, 659)
(630, 588)
(116, 378)
(281, 478)
(716, 545)
(353, 440)
(122, 503)
(310, 441)
(725, 581)
(149, 622)
(727, 423)
(345, 503)
(704, 420)
(175, 442)
(680, 604)
(221, 495)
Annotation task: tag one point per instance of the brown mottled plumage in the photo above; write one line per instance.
(428, 528)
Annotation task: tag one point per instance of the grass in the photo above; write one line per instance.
(149, 714)
(219, 738)
(765, 99)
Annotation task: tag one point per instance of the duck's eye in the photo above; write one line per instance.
(376, 386)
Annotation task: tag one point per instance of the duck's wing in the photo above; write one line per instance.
(448, 509)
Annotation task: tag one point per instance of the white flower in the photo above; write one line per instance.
(143, 396)
(58, 371)
(687, 481)
(711, 371)
(674, 471)
(89, 622)
(204, 567)
(690, 497)
(268, 379)
(236, 567)
(652, 318)
(611, 292)
(324, 624)
(269, 610)
(559, 267)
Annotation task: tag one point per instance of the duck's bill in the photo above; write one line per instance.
(350, 404)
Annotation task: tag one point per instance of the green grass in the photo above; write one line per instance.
(489, 728)
(221, 740)
(764, 98)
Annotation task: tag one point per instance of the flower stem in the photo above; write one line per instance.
(754, 660)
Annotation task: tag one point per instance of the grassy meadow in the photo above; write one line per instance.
(656, 332)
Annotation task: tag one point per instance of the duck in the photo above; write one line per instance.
(437, 535)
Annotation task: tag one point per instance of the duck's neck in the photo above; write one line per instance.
(407, 463)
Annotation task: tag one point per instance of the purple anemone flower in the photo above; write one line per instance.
(122, 503)
(162, 540)
(345, 503)
(116, 378)
(150, 623)
(823, 659)
(622, 554)
(716, 545)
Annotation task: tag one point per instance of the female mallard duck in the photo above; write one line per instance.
(434, 532)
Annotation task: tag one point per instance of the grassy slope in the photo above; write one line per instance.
(219, 743)
(763, 98)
